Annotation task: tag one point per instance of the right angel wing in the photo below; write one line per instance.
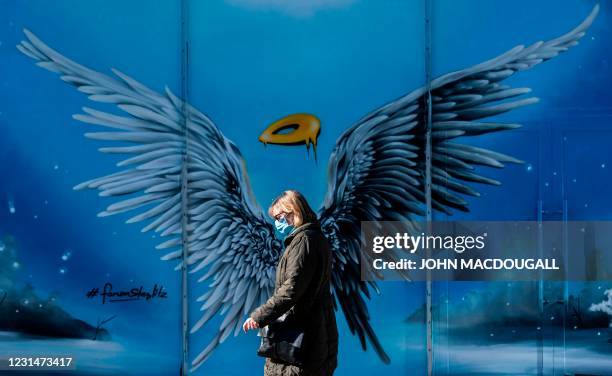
(228, 239)
(377, 168)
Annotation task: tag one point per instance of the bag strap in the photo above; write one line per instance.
(319, 290)
(322, 280)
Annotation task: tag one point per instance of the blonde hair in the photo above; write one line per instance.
(293, 202)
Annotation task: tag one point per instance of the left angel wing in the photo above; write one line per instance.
(377, 168)
(181, 173)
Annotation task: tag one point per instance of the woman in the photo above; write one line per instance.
(302, 287)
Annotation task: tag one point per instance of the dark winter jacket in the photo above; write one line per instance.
(303, 269)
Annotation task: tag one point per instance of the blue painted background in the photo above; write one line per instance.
(250, 64)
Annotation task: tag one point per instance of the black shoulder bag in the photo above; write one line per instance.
(282, 341)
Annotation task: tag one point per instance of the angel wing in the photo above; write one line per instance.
(228, 239)
(377, 169)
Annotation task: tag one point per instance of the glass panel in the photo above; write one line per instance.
(586, 332)
(56, 255)
(255, 63)
(515, 323)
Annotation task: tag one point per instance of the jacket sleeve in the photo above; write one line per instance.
(299, 271)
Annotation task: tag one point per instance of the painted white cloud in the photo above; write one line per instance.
(296, 8)
(604, 306)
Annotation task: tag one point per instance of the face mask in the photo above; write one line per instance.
(282, 225)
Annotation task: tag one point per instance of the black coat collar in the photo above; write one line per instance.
(303, 227)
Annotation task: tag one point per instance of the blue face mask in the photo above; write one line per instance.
(282, 225)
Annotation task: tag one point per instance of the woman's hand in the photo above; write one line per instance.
(249, 324)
